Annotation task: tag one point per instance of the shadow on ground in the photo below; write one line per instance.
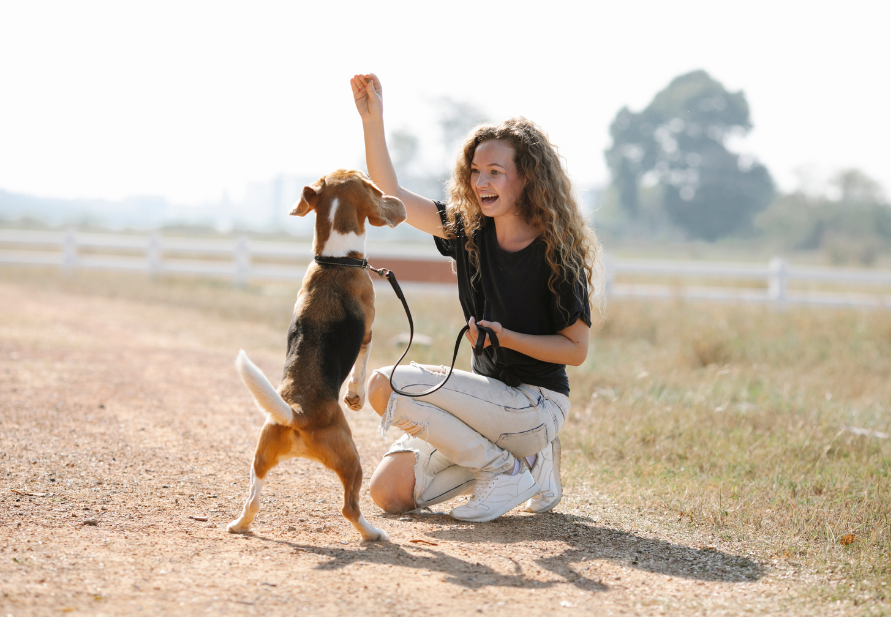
(585, 543)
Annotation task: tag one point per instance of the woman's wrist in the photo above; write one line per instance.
(507, 338)
(372, 122)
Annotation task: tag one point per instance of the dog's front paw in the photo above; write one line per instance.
(354, 400)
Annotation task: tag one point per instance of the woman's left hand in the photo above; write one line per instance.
(473, 333)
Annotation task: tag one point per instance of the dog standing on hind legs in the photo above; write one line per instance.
(328, 339)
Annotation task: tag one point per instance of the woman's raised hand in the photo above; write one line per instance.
(368, 95)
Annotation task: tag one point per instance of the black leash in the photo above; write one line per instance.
(352, 262)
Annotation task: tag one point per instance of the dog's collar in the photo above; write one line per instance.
(351, 262)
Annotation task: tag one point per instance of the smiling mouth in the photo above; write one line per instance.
(488, 199)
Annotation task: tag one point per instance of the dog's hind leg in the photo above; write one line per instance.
(355, 395)
(351, 477)
(243, 523)
(335, 449)
(275, 443)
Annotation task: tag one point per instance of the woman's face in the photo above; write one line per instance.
(495, 179)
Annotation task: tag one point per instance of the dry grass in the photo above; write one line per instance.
(754, 284)
(734, 420)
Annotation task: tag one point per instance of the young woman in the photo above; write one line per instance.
(523, 252)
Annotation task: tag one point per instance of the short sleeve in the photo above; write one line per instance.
(446, 246)
(574, 304)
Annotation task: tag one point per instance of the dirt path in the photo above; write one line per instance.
(119, 422)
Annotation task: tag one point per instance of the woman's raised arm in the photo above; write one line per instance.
(368, 94)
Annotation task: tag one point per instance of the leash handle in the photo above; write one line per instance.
(485, 331)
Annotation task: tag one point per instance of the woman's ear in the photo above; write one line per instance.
(309, 198)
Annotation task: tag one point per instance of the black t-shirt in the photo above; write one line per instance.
(516, 288)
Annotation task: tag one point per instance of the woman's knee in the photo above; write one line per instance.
(392, 484)
(379, 392)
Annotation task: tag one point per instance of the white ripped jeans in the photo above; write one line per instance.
(472, 423)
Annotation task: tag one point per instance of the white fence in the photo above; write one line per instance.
(243, 259)
(873, 287)
(239, 258)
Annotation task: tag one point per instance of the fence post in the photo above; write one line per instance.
(779, 279)
(69, 252)
(242, 260)
(153, 253)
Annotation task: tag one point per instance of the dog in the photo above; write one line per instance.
(329, 337)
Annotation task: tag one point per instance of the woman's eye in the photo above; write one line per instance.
(474, 171)
(495, 172)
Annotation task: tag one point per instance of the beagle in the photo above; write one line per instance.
(330, 332)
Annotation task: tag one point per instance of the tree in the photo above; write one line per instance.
(456, 118)
(848, 218)
(857, 189)
(679, 142)
(405, 148)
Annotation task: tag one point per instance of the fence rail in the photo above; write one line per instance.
(238, 258)
(242, 259)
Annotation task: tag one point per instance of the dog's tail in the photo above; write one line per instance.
(267, 398)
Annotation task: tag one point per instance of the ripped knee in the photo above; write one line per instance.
(415, 429)
(378, 392)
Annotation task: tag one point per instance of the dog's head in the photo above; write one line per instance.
(343, 201)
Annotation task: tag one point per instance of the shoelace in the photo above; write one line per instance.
(482, 490)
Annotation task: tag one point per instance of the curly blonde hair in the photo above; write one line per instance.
(546, 203)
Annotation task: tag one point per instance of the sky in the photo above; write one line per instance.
(188, 100)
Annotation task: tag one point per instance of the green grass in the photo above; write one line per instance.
(733, 420)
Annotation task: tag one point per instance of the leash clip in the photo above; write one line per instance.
(381, 272)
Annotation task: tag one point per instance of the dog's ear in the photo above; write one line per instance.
(384, 209)
(391, 211)
(309, 198)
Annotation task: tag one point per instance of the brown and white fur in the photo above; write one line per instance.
(330, 333)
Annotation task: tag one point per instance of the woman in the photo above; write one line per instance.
(523, 252)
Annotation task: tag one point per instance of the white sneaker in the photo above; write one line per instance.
(546, 473)
(494, 495)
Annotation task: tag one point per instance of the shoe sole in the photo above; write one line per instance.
(555, 452)
(527, 494)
